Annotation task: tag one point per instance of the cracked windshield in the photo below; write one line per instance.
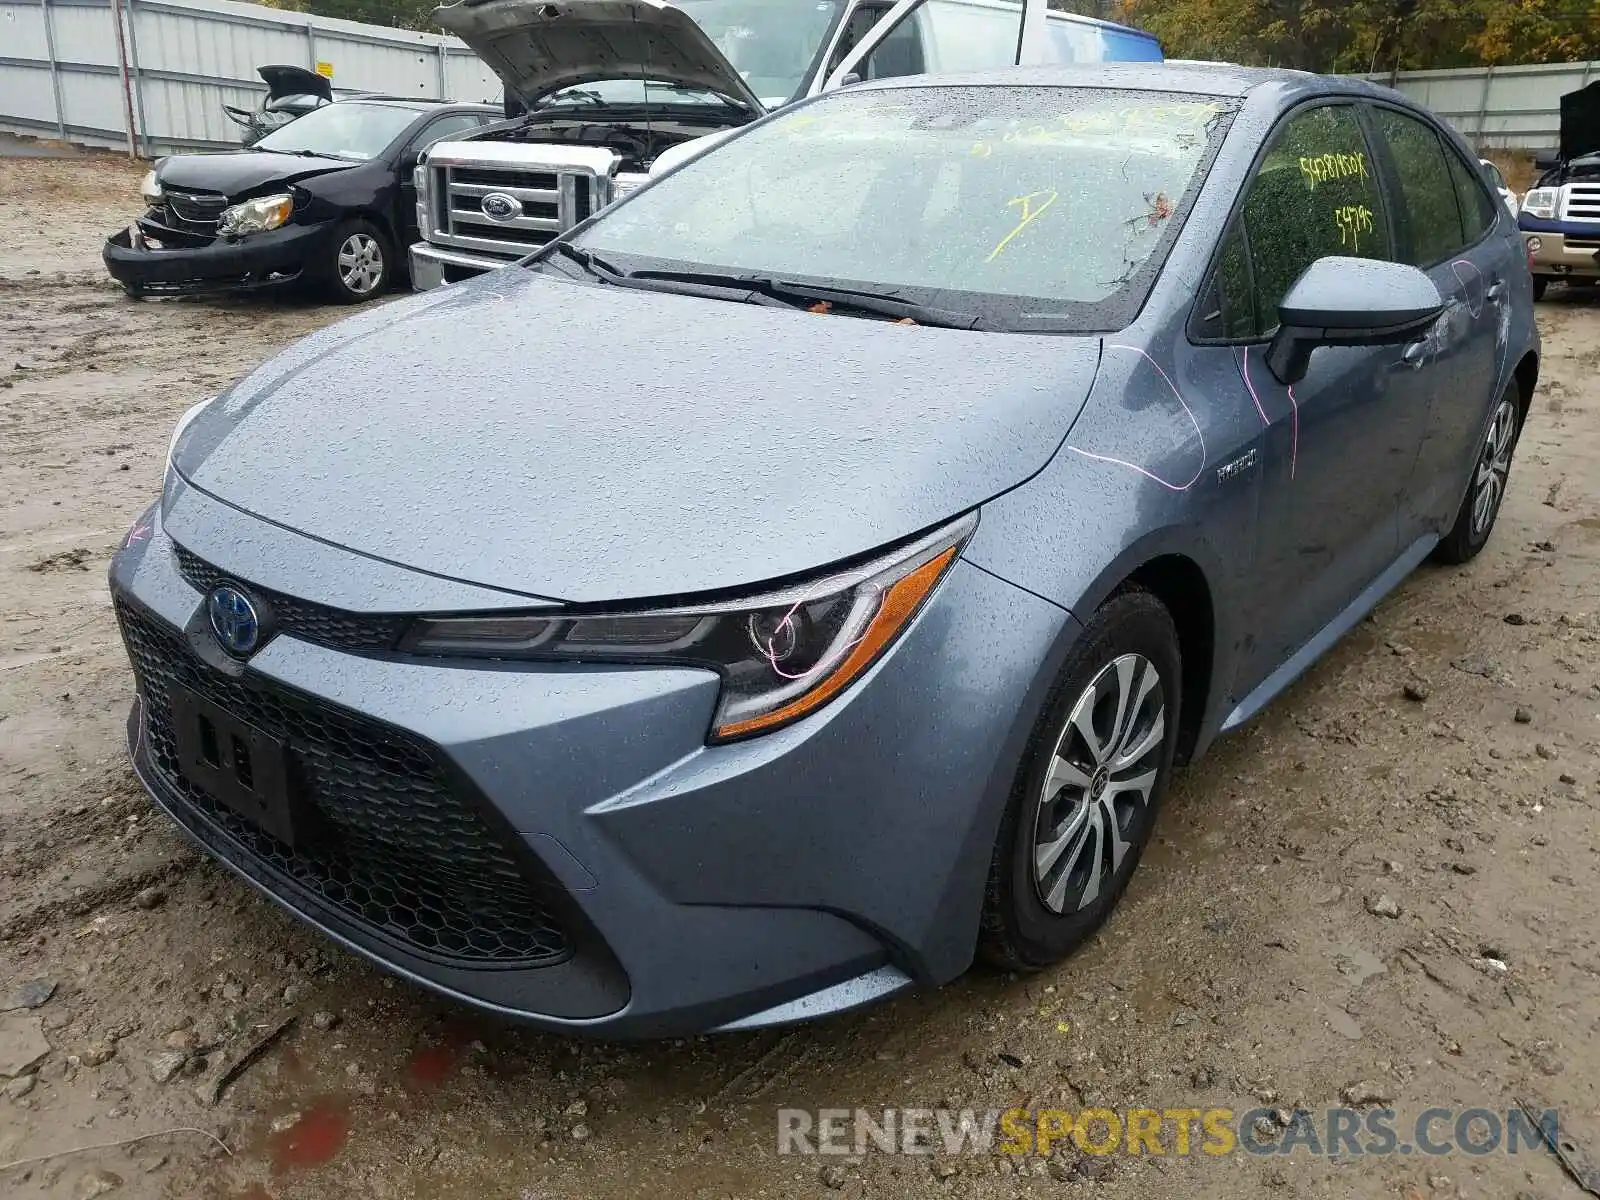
(1053, 194)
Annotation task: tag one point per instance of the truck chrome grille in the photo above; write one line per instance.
(545, 197)
(1582, 202)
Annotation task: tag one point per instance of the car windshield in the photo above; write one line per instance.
(349, 129)
(1028, 206)
(771, 43)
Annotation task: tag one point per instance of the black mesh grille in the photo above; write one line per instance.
(196, 212)
(301, 618)
(395, 848)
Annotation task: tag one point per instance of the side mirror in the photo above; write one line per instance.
(850, 80)
(1350, 302)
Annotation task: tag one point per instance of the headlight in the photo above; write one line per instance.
(781, 656)
(150, 189)
(256, 216)
(1541, 202)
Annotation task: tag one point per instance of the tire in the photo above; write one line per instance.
(133, 291)
(1486, 490)
(1541, 284)
(359, 263)
(1032, 920)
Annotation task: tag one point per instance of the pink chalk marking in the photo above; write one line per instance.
(1252, 387)
(1475, 309)
(1294, 429)
(771, 655)
(1151, 475)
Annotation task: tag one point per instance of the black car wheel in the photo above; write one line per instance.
(1486, 492)
(359, 263)
(1088, 788)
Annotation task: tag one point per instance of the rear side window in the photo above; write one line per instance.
(1430, 218)
(1315, 194)
(1479, 210)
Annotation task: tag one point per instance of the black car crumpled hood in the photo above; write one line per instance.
(592, 444)
(238, 174)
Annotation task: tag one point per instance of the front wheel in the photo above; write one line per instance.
(1088, 787)
(1487, 490)
(1541, 284)
(359, 263)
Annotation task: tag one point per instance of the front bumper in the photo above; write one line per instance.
(1556, 252)
(260, 260)
(657, 886)
(434, 266)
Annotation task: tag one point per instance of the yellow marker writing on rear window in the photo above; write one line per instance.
(1030, 213)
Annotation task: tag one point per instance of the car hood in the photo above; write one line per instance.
(242, 172)
(1580, 122)
(538, 48)
(283, 80)
(592, 444)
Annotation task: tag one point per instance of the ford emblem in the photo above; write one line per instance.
(233, 619)
(498, 206)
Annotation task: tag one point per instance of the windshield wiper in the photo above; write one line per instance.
(803, 295)
(711, 287)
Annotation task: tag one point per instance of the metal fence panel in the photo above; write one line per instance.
(60, 73)
(1506, 108)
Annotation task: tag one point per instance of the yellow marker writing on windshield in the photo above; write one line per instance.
(1029, 215)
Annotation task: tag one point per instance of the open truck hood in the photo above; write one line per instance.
(539, 47)
(1580, 123)
(283, 80)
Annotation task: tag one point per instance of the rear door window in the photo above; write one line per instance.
(1430, 218)
(1480, 209)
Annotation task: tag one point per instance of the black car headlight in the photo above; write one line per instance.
(781, 656)
(256, 216)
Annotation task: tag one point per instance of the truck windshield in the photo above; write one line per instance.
(348, 129)
(771, 43)
(1025, 206)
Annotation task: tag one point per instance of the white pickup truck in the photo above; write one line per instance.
(617, 90)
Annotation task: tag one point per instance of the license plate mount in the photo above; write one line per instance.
(234, 763)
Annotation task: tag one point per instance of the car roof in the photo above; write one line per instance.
(1204, 78)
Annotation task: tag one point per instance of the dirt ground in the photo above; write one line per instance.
(1244, 968)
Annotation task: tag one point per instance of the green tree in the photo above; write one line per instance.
(1372, 35)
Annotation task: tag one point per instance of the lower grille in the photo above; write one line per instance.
(397, 849)
(318, 623)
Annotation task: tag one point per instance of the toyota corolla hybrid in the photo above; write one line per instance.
(809, 572)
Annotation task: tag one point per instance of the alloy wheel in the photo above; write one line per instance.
(360, 263)
(1494, 465)
(1103, 770)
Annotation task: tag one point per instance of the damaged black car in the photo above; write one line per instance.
(327, 200)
